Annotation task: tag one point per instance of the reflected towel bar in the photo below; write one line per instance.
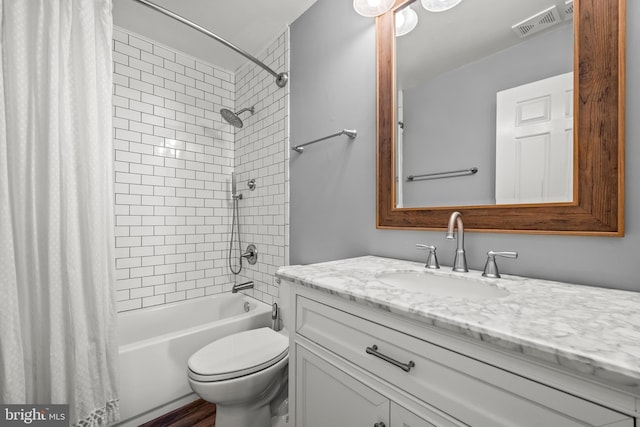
(437, 175)
(350, 133)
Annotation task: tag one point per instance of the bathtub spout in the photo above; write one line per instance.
(242, 286)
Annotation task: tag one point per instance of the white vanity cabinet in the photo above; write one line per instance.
(353, 365)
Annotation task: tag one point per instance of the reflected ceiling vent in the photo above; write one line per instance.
(568, 10)
(538, 22)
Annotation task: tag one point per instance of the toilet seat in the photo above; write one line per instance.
(238, 355)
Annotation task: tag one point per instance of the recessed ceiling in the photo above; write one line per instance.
(249, 24)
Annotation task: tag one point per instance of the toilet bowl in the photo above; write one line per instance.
(241, 373)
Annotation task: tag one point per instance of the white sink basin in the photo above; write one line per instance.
(432, 284)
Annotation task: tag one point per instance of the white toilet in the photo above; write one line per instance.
(242, 373)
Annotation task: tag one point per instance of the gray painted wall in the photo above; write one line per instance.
(450, 120)
(333, 203)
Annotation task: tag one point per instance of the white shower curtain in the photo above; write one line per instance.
(57, 318)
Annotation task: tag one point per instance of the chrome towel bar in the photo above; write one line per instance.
(448, 174)
(350, 133)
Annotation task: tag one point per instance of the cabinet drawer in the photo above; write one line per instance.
(472, 391)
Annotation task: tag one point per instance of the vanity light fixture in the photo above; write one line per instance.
(406, 21)
(439, 5)
(372, 8)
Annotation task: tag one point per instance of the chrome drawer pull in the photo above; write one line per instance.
(404, 366)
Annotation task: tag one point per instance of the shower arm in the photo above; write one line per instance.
(250, 109)
(281, 78)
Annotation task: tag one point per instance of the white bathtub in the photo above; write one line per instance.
(156, 342)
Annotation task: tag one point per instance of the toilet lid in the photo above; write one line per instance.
(238, 355)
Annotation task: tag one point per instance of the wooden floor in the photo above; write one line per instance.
(194, 414)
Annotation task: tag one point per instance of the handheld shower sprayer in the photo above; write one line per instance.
(234, 187)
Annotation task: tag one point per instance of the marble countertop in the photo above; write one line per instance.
(595, 331)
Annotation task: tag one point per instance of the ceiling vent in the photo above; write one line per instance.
(538, 22)
(568, 10)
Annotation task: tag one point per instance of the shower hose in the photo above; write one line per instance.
(235, 223)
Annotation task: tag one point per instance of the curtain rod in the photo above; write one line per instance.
(281, 78)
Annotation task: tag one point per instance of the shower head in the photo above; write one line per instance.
(233, 118)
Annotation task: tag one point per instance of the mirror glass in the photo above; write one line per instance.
(484, 104)
(596, 205)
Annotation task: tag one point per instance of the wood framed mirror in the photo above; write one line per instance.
(598, 173)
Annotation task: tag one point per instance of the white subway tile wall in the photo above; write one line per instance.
(173, 160)
(261, 153)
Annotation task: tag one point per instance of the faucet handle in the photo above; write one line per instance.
(491, 268)
(432, 259)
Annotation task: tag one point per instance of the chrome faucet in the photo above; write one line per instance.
(242, 286)
(460, 261)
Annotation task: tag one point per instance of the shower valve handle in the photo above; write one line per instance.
(251, 255)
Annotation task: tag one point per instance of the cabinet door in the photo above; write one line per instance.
(401, 417)
(327, 396)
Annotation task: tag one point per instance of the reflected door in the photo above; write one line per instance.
(534, 142)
